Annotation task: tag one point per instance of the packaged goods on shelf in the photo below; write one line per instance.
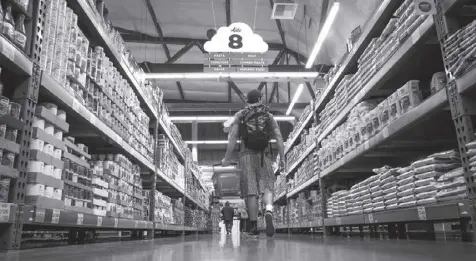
(305, 171)
(91, 77)
(168, 162)
(460, 50)
(119, 184)
(307, 139)
(280, 185)
(13, 22)
(365, 120)
(194, 186)
(215, 218)
(304, 115)
(80, 190)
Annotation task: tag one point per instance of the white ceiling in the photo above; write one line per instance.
(192, 19)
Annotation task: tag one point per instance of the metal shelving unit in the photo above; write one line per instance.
(403, 140)
(33, 85)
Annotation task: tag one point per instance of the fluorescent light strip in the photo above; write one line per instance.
(219, 118)
(323, 34)
(231, 75)
(295, 98)
(317, 47)
(212, 142)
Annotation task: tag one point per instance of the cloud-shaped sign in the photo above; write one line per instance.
(236, 38)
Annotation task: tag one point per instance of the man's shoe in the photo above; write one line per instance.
(268, 217)
(253, 233)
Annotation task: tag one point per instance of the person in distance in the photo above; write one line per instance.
(255, 126)
(228, 213)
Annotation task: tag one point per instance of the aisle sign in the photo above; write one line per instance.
(235, 48)
(55, 216)
(422, 213)
(80, 219)
(99, 222)
(4, 212)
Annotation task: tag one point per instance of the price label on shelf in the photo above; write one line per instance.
(8, 50)
(55, 217)
(4, 212)
(371, 218)
(80, 219)
(99, 222)
(76, 105)
(116, 221)
(422, 213)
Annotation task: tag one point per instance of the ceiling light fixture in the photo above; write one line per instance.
(317, 47)
(225, 76)
(186, 119)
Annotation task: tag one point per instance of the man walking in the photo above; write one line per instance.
(228, 213)
(255, 127)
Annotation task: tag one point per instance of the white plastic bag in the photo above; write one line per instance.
(405, 175)
(406, 193)
(424, 182)
(430, 194)
(459, 172)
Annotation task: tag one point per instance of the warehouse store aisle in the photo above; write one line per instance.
(282, 247)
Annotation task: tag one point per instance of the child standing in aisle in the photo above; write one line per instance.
(256, 126)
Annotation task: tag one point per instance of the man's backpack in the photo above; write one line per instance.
(255, 129)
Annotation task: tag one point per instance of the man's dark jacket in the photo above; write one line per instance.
(228, 213)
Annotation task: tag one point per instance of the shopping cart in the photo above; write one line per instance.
(226, 180)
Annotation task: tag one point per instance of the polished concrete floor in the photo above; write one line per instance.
(240, 248)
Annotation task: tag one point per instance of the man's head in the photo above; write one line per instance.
(254, 96)
(227, 204)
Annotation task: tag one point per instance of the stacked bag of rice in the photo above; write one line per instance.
(406, 188)
(429, 173)
(472, 161)
(354, 204)
(388, 183)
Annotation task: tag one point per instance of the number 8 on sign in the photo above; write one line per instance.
(236, 41)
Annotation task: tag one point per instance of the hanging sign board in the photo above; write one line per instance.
(234, 48)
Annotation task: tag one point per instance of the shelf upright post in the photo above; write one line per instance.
(27, 95)
(185, 176)
(462, 107)
(152, 202)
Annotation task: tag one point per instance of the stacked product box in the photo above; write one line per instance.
(78, 178)
(9, 146)
(178, 211)
(45, 168)
(280, 185)
(367, 119)
(280, 215)
(460, 50)
(89, 75)
(124, 189)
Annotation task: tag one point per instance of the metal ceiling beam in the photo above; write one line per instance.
(278, 24)
(228, 12)
(223, 107)
(161, 37)
(157, 27)
(276, 61)
(181, 52)
(237, 90)
(274, 91)
(311, 91)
